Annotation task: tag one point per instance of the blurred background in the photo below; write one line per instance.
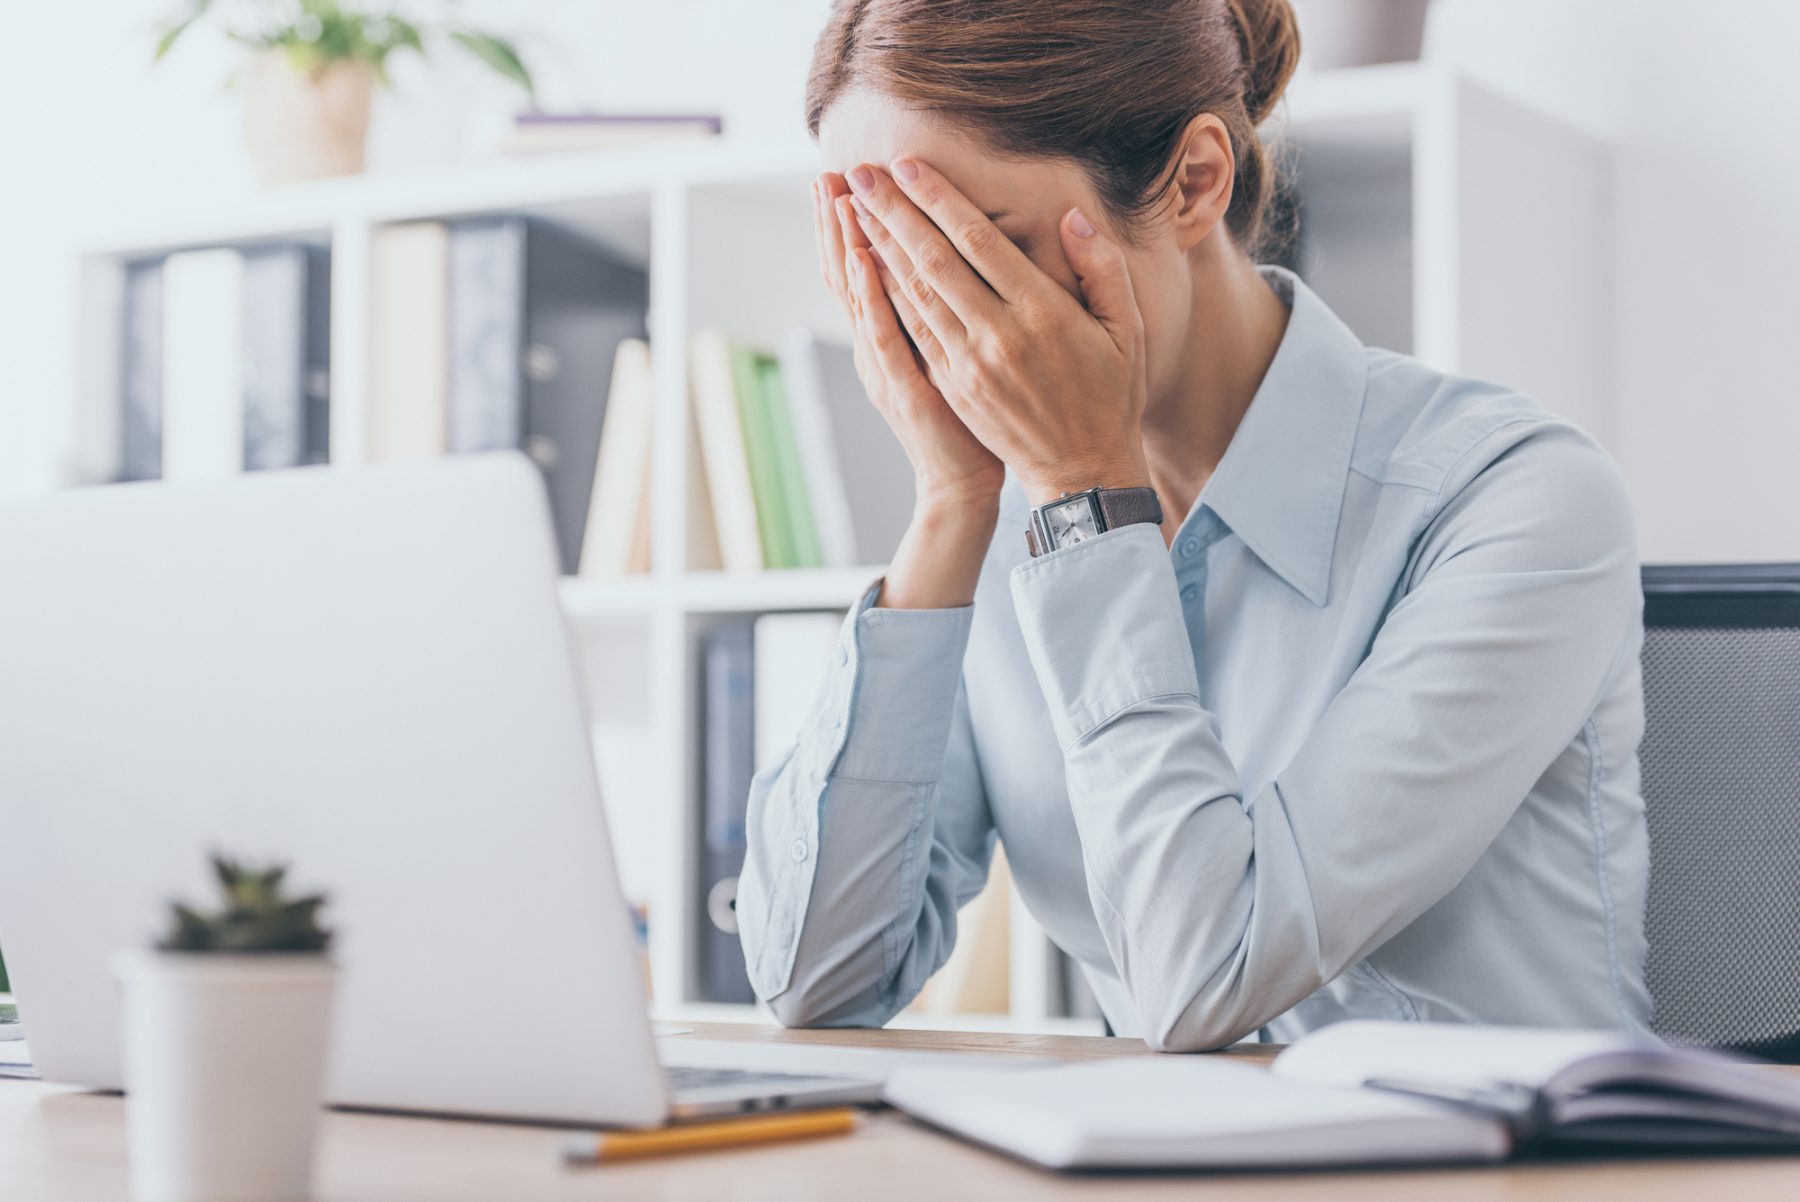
(211, 267)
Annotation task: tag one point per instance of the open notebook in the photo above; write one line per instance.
(1366, 1093)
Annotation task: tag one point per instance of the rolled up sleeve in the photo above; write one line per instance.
(871, 831)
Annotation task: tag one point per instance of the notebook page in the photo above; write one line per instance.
(1449, 1054)
(1187, 1112)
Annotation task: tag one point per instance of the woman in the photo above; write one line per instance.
(1325, 706)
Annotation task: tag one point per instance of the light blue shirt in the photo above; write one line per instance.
(1362, 743)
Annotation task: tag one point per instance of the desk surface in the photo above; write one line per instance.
(63, 1145)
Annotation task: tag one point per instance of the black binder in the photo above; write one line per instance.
(536, 315)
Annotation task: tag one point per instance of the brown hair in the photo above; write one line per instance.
(1108, 84)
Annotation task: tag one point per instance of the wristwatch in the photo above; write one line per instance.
(1077, 516)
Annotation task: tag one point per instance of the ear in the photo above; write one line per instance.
(1205, 170)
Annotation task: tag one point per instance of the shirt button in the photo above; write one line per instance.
(1190, 547)
(843, 656)
(798, 851)
(1190, 592)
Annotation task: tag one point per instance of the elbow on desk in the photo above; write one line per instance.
(801, 1008)
(794, 1009)
(1193, 1024)
(1188, 1038)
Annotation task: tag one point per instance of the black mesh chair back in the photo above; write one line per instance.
(1721, 780)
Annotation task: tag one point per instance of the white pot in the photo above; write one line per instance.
(1358, 33)
(306, 125)
(225, 1061)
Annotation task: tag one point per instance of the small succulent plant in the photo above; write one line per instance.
(256, 916)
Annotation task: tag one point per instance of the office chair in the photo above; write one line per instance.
(1721, 782)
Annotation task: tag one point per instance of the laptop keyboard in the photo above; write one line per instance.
(689, 1078)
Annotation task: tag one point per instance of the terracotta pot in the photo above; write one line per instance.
(302, 125)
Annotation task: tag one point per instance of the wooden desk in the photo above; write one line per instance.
(62, 1145)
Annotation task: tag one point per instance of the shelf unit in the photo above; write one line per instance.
(1431, 210)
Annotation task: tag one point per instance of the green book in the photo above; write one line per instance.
(797, 501)
(759, 450)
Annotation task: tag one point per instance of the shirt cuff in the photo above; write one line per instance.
(1105, 629)
(903, 668)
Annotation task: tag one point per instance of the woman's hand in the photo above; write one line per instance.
(951, 467)
(1056, 388)
(957, 480)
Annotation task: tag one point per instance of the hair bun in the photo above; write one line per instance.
(1269, 39)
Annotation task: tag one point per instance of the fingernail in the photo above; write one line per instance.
(905, 170)
(862, 179)
(1080, 225)
(862, 210)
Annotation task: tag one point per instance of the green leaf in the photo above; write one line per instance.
(227, 870)
(178, 27)
(192, 933)
(498, 54)
(167, 42)
(405, 33)
(255, 916)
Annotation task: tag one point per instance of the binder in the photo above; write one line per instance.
(728, 749)
(287, 349)
(141, 372)
(536, 315)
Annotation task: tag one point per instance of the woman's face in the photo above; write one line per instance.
(1026, 198)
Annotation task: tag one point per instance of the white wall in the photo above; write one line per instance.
(1701, 100)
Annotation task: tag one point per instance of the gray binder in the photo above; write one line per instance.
(141, 372)
(287, 349)
(728, 748)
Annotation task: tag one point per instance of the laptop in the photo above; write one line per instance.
(364, 672)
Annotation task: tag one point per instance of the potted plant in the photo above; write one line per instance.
(313, 69)
(227, 1028)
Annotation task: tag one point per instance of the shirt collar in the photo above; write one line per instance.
(1280, 485)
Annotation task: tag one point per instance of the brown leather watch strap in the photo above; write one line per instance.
(1128, 506)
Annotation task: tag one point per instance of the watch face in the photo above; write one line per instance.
(1071, 522)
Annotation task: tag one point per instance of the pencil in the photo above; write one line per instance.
(612, 1146)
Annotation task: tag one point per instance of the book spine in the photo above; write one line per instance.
(759, 450)
(622, 465)
(790, 473)
(728, 763)
(810, 411)
(408, 353)
(719, 430)
(203, 382)
(141, 371)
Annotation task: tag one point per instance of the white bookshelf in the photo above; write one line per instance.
(1437, 210)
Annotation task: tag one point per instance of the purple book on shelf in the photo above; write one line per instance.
(533, 132)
